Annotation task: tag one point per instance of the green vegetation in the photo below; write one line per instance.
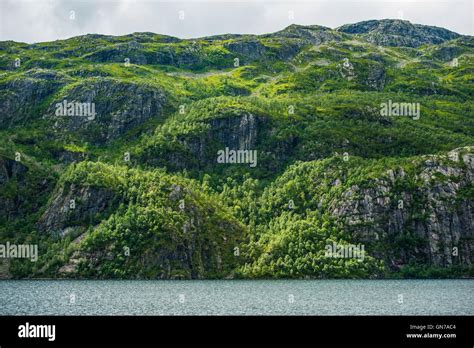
(150, 199)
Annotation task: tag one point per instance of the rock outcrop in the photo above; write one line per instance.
(425, 217)
(394, 32)
(73, 209)
(24, 98)
(119, 107)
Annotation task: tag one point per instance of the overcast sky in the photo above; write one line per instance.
(47, 20)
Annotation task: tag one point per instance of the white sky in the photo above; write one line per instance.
(47, 20)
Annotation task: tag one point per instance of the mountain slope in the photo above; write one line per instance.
(411, 212)
(102, 137)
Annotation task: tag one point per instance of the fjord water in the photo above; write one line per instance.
(237, 297)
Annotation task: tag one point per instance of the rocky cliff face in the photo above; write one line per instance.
(119, 107)
(253, 48)
(391, 32)
(73, 209)
(25, 98)
(412, 216)
(236, 132)
(241, 131)
(198, 150)
(430, 223)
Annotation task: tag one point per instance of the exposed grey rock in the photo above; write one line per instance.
(72, 209)
(22, 98)
(119, 107)
(253, 49)
(433, 218)
(396, 32)
(237, 132)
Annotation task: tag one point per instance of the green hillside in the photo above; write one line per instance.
(138, 190)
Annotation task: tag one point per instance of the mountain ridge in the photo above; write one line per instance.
(357, 27)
